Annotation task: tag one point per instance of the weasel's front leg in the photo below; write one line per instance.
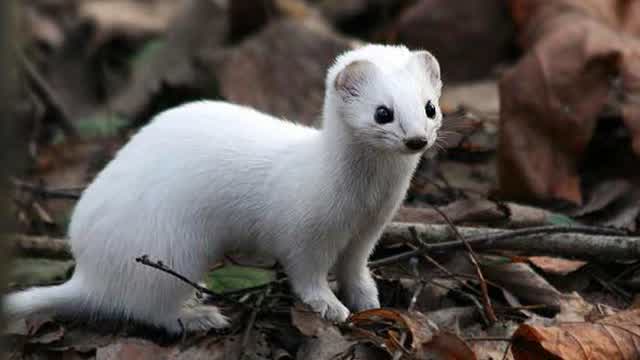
(308, 277)
(358, 290)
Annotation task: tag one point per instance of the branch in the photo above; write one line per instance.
(582, 242)
(40, 246)
(45, 192)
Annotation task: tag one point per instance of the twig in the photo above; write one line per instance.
(246, 337)
(144, 259)
(48, 96)
(471, 298)
(414, 267)
(486, 301)
(40, 246)
(44, 192)
(630, 269)
(419, 288)
(613, 288)
(434, 262)
(506, 350)
(565, 241)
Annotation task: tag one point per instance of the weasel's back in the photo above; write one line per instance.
(192, 156)
(225, 121)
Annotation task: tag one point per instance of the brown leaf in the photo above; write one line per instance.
(522, 281)
(484, 23)
(308, 322)
(551, 100)
(323, 339)
(384, 327)
(259, 71)
(130, 18)
(37, 330)
(613, 337)
(556, 266)
(132, 349)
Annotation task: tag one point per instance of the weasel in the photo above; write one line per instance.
(211, 177)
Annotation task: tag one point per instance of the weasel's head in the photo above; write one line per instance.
(387, 96)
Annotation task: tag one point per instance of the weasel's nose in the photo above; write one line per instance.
(416, 143)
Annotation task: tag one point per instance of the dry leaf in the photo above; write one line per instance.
(308, 322)
(423, 340)
(129, 349)
(613, 337)
(258, 72)
(551, 100)
(136, 19)
(523, 282)
(556, 266)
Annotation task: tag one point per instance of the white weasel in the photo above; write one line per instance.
(206, 178)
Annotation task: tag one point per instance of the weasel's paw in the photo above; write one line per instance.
(202, 318)
(330, 309)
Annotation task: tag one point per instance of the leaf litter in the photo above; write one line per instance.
(178, 52)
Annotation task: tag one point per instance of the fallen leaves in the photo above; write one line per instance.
(257, 72)
(612, 337)
(410, 333)
(553, 99)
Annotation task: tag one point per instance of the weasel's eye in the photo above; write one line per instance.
(430, 109)
(383, 115)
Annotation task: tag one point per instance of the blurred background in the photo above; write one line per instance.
(541, 97)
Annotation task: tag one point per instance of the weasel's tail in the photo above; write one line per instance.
(51, 300)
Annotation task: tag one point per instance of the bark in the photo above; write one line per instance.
(587, 243)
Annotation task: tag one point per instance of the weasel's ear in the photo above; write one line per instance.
(429, 63)
(351, 80)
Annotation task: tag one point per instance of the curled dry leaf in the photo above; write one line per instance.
(613, 337)
(423, 340)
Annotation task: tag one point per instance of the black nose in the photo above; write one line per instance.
(416, 143)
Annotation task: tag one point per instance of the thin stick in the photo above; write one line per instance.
(434, 262)
(44, 192)
(144, 259)
(486, 301)
(419, 288)
(252, 320)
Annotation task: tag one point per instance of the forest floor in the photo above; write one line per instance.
(501, 250)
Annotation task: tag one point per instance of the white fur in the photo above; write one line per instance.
(206, 178)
